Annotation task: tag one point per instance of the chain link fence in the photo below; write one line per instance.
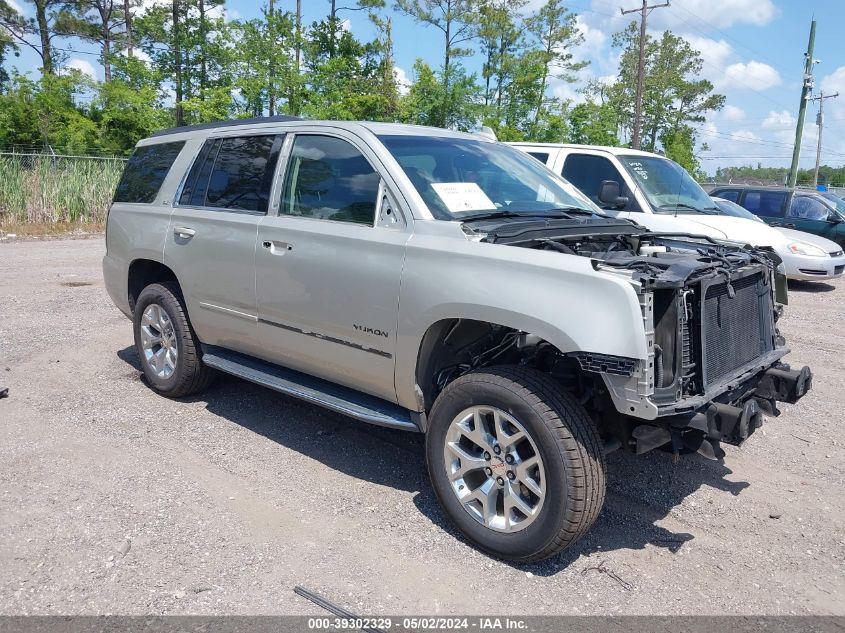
(49, 188)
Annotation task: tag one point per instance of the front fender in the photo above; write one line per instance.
(556, 296)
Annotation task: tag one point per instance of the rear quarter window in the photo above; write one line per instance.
(145, 172)
(543, 157)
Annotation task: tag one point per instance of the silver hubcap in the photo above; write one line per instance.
(495, 469)
(158, 341)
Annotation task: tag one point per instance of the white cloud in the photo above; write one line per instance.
(714, 54)
(835, 82)
(403, 83)
(778, 120)
(83, 66)
(750, 76)
(146, 5)
(137, 52)
(594, 39)
(732, 113)
(722, 13)
(17, 8)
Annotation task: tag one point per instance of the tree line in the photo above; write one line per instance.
(760, 175)
(184, 62)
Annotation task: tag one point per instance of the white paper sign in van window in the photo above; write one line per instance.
(460, 197)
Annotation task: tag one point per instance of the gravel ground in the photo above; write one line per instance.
(114, 500)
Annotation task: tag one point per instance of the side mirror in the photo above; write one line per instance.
(609, 191)
(834, 218)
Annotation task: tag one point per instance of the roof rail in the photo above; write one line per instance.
(228, 123)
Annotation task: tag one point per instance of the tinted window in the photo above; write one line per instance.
(233, 173)
(808, 208)
(146, 171)
(728, 194)
(541, 156)
(768, 204)
(587, 173)
(329, 179)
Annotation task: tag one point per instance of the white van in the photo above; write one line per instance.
(650, 189)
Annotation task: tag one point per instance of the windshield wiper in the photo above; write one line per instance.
(683, 205)
(561, 213)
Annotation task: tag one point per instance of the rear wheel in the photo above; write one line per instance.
(515, 462)
(167, 345)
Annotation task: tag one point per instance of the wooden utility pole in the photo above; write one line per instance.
(638, 102)
(127, 15)
(820, 122)
(806, 90)
(271, 70)
(177, 63)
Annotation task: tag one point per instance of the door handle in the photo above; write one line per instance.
(184, 232)
(277, 248)
(789, 226)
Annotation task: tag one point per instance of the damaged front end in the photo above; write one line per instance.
(709, 311)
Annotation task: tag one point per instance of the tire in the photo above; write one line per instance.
(558, 429)
(187, 375)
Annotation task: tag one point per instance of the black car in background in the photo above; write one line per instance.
(789, 208)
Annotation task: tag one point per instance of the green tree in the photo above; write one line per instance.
(7, 46)
(456, 20)
(593, 124)
(556, 32)
(264, 62)
(129, 107)
(427, 101)
(345, 76)
(41, 25)
(674, 95)
(102, 22)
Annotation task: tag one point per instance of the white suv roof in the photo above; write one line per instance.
(617, 151)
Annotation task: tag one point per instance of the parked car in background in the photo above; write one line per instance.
(806, 211)
(806, 257)
(649, 189)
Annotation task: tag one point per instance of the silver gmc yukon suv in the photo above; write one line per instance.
(444, 283)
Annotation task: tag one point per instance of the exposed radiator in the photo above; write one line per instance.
(735, 330)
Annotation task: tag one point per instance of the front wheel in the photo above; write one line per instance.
(515, 462)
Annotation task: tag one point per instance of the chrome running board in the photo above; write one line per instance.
(310, 389)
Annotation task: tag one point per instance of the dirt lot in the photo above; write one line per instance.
(115, 500)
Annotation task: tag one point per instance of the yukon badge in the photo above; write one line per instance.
(368, 330)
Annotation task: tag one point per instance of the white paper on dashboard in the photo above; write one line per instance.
(462, 196)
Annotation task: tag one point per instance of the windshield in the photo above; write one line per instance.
(726, 207)
(667, 185)
(838, 202)
(460, 178)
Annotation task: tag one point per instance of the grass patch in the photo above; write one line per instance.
(44, 191)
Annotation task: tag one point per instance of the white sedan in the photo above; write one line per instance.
(806, 257)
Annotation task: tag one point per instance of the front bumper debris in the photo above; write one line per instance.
(731, 421)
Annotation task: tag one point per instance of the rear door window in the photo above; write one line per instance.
(766, 204)
(233, 173)
(145, 172)
(587, 172)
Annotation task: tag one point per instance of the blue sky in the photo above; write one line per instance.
(753, 52)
